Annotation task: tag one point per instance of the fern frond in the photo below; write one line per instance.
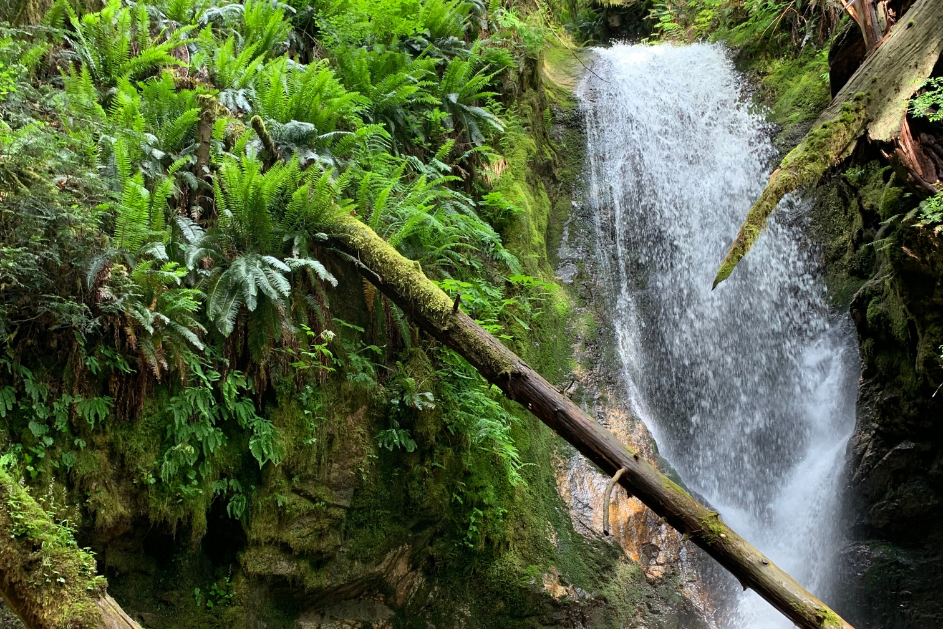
(314, 265)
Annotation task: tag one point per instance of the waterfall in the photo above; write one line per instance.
(748, 390)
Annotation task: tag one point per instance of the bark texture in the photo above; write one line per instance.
(204, 134)
(873, 102)
(403, 282)
(45, 578)
(865, 14)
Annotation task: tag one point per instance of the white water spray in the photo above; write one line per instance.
(749, 389)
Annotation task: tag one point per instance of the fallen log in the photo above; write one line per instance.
(404, 283)
(45, 578)
(873, 101)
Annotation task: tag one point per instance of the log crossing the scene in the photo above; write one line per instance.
(404, 283)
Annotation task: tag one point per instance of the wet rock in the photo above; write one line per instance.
(894, 497)
(355, 614)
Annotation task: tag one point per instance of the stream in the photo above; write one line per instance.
(748, 390)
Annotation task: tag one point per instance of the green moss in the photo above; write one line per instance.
(828, 619)
(675, 487)
(50, 579)
(804, 165)
(521, 185)
(625, 592)
(795, 88)
(711, 527)
(271, 562)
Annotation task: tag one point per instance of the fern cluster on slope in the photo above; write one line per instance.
(168, 172)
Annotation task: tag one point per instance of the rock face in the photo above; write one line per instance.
(890, 273)
(887, 268)
(354, 613)
(896, 488)
(667, 562)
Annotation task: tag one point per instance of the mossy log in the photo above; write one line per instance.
(271, 151)
(873, 101)
(204, 134)
(45, 578)
(404, 283)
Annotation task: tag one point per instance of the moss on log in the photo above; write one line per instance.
(403, 282)
(874, 101)
(45, 578)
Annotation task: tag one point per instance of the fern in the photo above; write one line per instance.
(233, 71)
(394, 85)
(287, 92)
(931, 210)
(82, 95)
(264, 26)
(140, 213)
(105, 43)
(132, 219)
(929, 103)
(461, 90)
(257, 220)
(169, 114)
(183, 11)
(426, 220)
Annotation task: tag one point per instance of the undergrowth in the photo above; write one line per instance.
(180, 343)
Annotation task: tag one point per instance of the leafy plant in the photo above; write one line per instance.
(394, 86)
(196, 433)
(116, 42)
(288, 92)
(462, 89)
(929, 102)
(253, 224)
(931, 210)
(396, 437)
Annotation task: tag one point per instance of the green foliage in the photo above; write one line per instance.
(406, 400)
(396, 88)
(532, 36)
(929, 102)
(311, 94)
(755, 23)
(116, 42)
(264, 27)
(261, 213)
(797, 86)
(931, 210)
(220, 594)
(170, 174)
(425, 219)
(198, 414)
(472, 408)
(460, 89)
(355, 21)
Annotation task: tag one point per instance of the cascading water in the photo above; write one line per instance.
(748, 389)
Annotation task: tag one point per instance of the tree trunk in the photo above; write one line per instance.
(865, 14)
(874, 100)
(45, 578)
(204, 135)
(403, 282)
